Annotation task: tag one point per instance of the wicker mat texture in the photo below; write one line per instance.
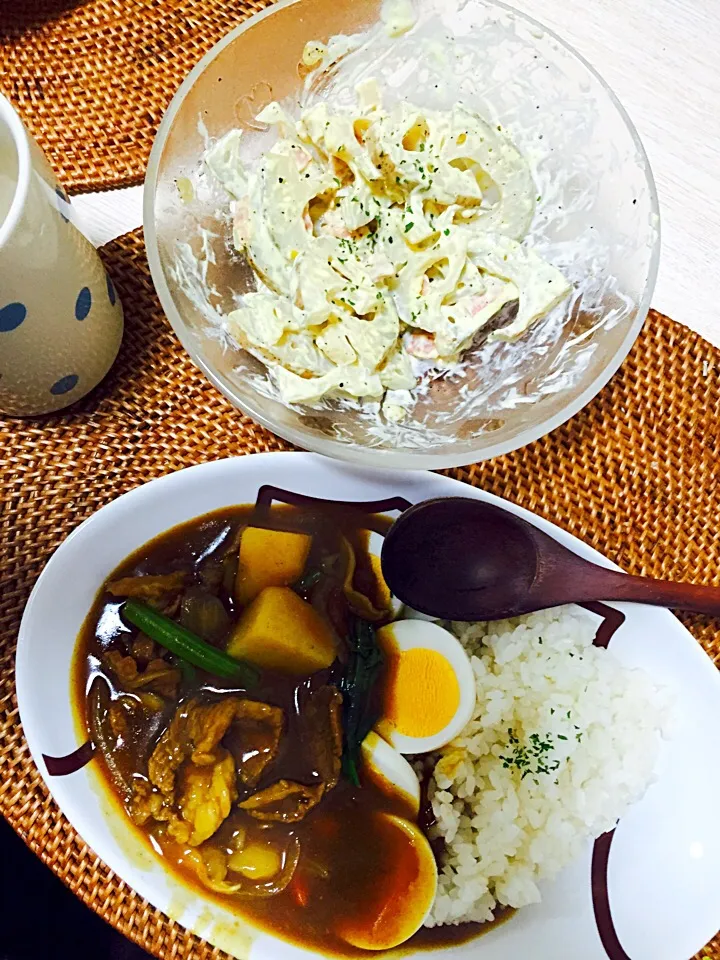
(634, 474)
(92, 80)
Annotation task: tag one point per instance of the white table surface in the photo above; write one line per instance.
(662, 58)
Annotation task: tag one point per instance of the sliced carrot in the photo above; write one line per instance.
(299, 890)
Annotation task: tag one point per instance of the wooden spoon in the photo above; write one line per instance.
(462, 559)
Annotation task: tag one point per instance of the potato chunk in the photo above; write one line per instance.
(280, 631)
(269, 558)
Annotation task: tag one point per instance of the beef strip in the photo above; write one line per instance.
(285, 801)
(254, 739)
(192, 777)
(323, 733)
(158, 676)
(153, 589)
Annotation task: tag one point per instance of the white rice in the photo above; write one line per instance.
(572, 711)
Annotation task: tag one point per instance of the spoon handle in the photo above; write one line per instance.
(662, 593)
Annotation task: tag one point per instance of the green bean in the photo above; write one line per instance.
(185, 644)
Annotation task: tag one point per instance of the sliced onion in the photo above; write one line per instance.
(244, 888)
(205, 615)
(98, 703)
(270, 888)
(361, 604)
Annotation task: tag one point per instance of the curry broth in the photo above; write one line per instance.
(342, 855)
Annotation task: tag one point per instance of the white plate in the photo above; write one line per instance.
(664, 869)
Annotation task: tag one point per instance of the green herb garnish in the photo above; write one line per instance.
(187, 645)
(531, 759)
(360, 713)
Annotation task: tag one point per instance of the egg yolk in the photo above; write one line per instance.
(422, 692)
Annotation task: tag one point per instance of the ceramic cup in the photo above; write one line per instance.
(61, 320)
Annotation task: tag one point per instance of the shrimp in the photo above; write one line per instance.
(421, 346)
(302, 158)
(241, 223)
(479, 302)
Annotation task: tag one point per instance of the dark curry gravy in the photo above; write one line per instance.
(344, 860)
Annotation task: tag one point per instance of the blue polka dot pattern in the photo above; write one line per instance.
(112, 296)
(11, 316)
(83, 304)
(64, 385)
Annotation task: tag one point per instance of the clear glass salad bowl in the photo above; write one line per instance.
(596, 219)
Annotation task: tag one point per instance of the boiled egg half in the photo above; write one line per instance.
(394, 903)
(390, 772)
(429, 693)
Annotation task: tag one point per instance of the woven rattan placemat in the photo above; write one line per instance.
(634, 474)
(91, 80)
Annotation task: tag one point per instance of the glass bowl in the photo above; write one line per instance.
(596, 218)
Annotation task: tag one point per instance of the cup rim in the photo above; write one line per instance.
(22, 186)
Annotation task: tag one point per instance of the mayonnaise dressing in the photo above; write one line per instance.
(379, 237)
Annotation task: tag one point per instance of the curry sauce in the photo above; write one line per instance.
(244, 790)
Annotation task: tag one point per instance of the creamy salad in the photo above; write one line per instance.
(385, 240)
